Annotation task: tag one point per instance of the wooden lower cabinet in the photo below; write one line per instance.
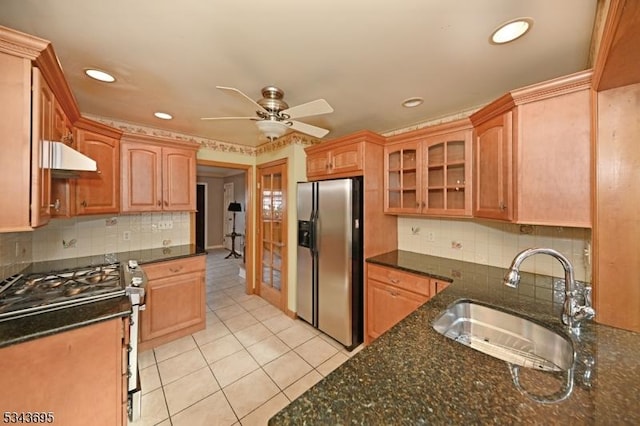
(393, 294)
(77, 376)
(387, 305)
(175, 301)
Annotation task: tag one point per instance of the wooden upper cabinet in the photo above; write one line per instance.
(532, 152)
(447, 177)
(492, 164)
(98, 192)
(178, 179)
(403, 174)
(428, 171)
(41, 132)
(342, 157)
(157, 176)
(141, 177)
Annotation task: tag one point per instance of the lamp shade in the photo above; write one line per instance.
(234, 207)
(272, 129)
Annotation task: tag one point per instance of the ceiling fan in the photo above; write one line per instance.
(274, 117)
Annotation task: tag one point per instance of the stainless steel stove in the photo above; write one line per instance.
(22, 295)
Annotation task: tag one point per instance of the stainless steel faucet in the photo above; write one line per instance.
(572, 312)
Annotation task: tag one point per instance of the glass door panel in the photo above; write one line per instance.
(272, 233)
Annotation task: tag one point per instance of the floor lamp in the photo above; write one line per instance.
(234, 207)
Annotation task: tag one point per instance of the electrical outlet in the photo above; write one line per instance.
(126, 236)
(431, 237)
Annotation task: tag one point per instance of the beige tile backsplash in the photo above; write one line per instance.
(92, 235)
(496, 243)
(15, 252)
(88, 236)
(484, 242)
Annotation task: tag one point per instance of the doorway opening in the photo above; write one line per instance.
(226, 183)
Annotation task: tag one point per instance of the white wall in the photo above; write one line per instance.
(495, 243)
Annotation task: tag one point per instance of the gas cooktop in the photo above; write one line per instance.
(22, 295)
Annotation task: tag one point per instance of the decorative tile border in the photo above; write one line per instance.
(211, 144)
(286, 140)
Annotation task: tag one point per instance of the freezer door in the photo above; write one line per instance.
(333, 241)
(305, 275)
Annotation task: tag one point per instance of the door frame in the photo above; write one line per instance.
(204, 212)
(249, 209)
(284, 289)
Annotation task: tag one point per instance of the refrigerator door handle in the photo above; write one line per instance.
(314, 232)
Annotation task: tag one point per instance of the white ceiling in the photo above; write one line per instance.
(363, 56)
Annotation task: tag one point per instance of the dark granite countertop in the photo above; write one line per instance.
(413, 375)
(30, 327)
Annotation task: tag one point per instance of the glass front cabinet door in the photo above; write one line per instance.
(402, 177)
(429, 174)
(447, 181)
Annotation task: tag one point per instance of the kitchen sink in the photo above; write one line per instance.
(505, 336)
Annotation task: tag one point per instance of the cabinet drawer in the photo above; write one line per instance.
(174, 267)
(400, 279)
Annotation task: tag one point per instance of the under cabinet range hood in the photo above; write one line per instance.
(65, 161)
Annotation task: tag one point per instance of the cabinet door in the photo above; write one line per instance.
(387, 305)
(76, 375)
(175, 301)
(141, 183)
(346, 158)
(99, 192)
(178, 179)
(492, 168)
(42, 130)
(317, 164)
(402, 164)
(63, 191)
(447, 179)
(174, 298)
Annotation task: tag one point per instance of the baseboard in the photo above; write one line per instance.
(215, 247)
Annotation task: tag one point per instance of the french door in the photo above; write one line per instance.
(272, 233)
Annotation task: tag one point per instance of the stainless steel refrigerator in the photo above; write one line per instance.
(330, 264)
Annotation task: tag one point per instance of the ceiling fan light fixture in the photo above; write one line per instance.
(163, 115)
(99, 75)
(412, 102)
(272, 129)
(511, 30)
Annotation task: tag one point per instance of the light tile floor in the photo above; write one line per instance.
(248, 364)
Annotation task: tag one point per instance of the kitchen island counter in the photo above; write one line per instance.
(414, 375)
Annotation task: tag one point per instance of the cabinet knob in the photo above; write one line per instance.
(503, 206)
(56, 205)
(394, 280)
(84, 203)
(159, 203)
(166, 203)
(174, 270)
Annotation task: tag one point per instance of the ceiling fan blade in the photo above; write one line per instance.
(235, 91)
(230, 118)
(317, 107)
(308, 129)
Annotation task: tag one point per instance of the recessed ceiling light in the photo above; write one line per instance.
(512, 30)
(100, 75)
(163, 115)
(412, 102)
